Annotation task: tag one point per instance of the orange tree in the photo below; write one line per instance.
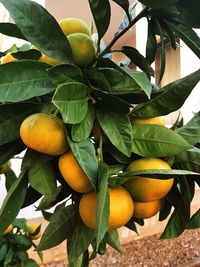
(43, 79)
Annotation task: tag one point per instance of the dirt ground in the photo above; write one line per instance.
(183, 251)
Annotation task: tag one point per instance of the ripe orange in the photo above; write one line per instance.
(34, 231)
(144, 189)
(73, 25)
(83, 48)
(144, 210)
(44, 133)
(73, 174)
(155, 120)
(7, 58)
(121, 208)
(8, 229)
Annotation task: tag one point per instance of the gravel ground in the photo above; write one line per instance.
(152, 252)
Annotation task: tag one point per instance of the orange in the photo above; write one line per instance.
(7, 58)
(146, 210)
(144, 189)
(44, 133)
(83, 48)
(73, 174)
(121, 208)
(49, 60)
(155, 120)
(5, 167)
(8, 229)
(73, 25)
(34, 231)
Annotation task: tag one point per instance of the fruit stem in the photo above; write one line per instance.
(56, 112)
(120, 34)
(99, 150)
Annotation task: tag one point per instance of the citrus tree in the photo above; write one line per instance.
(92, 130)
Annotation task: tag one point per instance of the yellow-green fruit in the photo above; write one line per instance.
(145, 210)
(83, 48)
(49, 60)
(121, 208)
(144, 189)
(44, 133)
(73, 25)
(154, 120)
(7, 58)
(5, 167)
(34, 231)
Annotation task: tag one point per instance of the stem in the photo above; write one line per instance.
(118, 36)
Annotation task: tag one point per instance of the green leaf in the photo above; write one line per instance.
(72, 100)
(102, 212)
(189, 12)
(165, 209)
(9, 257)
(79, 242)
(10, 178)
(29, 54)
(189, 160)
(3, 251)
(191, 131)
(32, 20)
(13, 202)
(120, 178)
(151, 44)
(138, 59)
(118, 129)
(112, 238)
(20, 223)
(158, 3)
(30, 80)
(12, 30)
(22, 255)
(85, 154)
(174, 93)
(30, 263)
(61, 226)
(42, 178)
(188, 36)
(82, 130)
(7, 151)
(11, 117)
(65, 73)
(141, 79)
(101, 12)
(194, 221)
(22, 241)
(151, 141)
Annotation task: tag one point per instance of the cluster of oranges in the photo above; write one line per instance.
(139, 197)
(80, 39)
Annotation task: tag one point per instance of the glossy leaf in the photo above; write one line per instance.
(10, 178)
(138, 59)
(118, 129)
(72, 100)
(32, 20)
(103, 203)
(82, 130)
(151, 141)
(189, 12)
(189, 160)
(29, 54)
(79, 242)
(174, 93)
(85, 154)
(151, 44)
(42, 178)
(188, 36)
(13, 202)
(157, 3)
(12, 30)
(61, 226)
(191, 131)
(101, 13)
(11, 117)
(112, 238)
(194, 221)
(30, 80)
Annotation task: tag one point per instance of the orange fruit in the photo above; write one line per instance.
(7, 58)
(8, 229)
(73, 25)
(144, 189)
(73, 174)
(155, 120)
(121, 208)
(83, 48)
(144, 210)
(49, 60)
(34, 231)
(44, 133)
